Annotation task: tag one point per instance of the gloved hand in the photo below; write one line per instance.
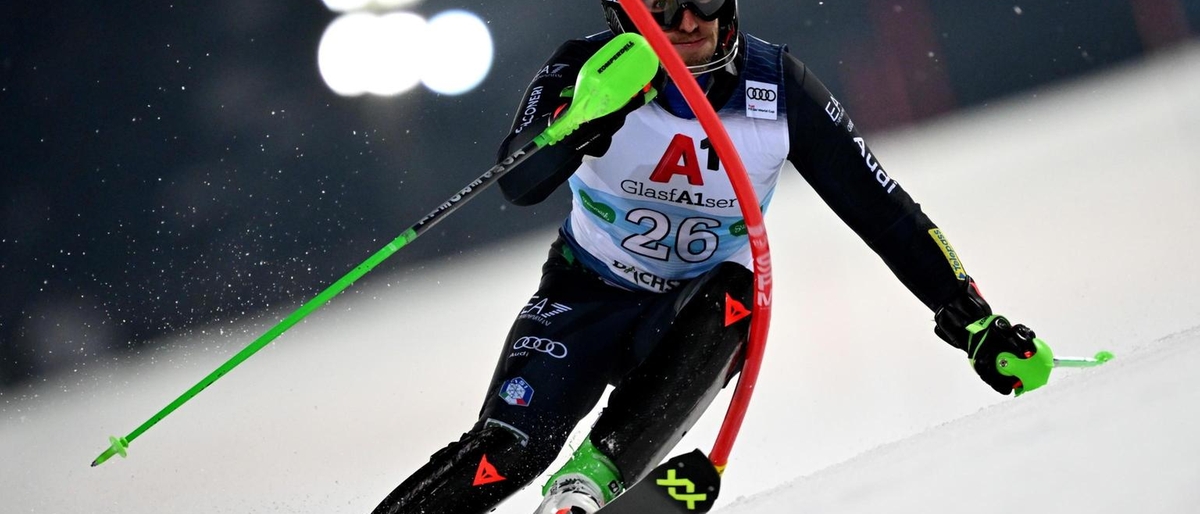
(967, 323)
(542, 173)
(989, 338)
(594, 137)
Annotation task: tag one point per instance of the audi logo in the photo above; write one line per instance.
(758, 93)
(552, 348)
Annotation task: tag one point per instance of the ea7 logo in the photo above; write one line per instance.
(541, 310)
(551, 70)
(837, 114)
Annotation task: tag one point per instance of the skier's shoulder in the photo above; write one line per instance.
(754, 42)
(794, 70)
(807, 95)
(767, 54)
(764, 61)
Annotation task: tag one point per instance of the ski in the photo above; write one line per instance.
(684, 484)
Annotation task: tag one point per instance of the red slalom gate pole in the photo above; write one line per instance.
(761, 251)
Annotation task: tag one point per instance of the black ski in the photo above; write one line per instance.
(687, 483)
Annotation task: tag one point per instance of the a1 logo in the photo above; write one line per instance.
(680, 159)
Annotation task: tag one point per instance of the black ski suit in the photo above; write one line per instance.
(666, 351)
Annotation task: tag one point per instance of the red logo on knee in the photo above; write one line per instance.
(486, 473)
(734, 310)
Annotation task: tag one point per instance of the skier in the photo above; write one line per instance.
(647, 284)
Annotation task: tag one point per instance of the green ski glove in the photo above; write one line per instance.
(991, 337)
(967, 323)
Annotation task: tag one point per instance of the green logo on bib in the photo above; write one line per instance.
(738, 229)
(605, 212)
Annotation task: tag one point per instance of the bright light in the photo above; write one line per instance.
(397, 60)
(365, 53)
(459, 53)
(359, 5)
(389, 54)
(338, 55)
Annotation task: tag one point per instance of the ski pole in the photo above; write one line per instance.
(1083, 362)
(608, 80)
(1034, 371)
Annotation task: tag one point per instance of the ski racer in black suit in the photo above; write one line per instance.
(647, 285)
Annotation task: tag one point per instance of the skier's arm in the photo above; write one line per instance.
(546, 98)
(835, 159)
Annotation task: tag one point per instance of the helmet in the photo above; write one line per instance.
(668, 13)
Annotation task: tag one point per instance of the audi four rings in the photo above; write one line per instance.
(552, 348)
(758, 93)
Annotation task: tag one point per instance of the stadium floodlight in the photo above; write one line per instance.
(367, 5)
(460, 53)
(388, 54)
(366, 53)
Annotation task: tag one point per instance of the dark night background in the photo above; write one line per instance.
(171, 165)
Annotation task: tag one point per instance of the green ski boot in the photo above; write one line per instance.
(587, 482)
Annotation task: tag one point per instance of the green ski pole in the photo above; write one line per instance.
(1083, 362)
(1033, 371)
(608, 80)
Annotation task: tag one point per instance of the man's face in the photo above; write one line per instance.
(694, 39)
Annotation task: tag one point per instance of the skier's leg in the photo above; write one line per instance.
(439, 486)
(662, 398)
(557, 359)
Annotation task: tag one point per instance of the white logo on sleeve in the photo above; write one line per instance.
(762, 100)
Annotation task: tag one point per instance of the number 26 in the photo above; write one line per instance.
(694, 241)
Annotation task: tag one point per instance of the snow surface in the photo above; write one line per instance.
(1073, 207)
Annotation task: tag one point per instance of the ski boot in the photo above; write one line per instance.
(587, 482)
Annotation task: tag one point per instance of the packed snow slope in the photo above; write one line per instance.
(1074, 207)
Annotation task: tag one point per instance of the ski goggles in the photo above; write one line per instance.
(669, 13)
